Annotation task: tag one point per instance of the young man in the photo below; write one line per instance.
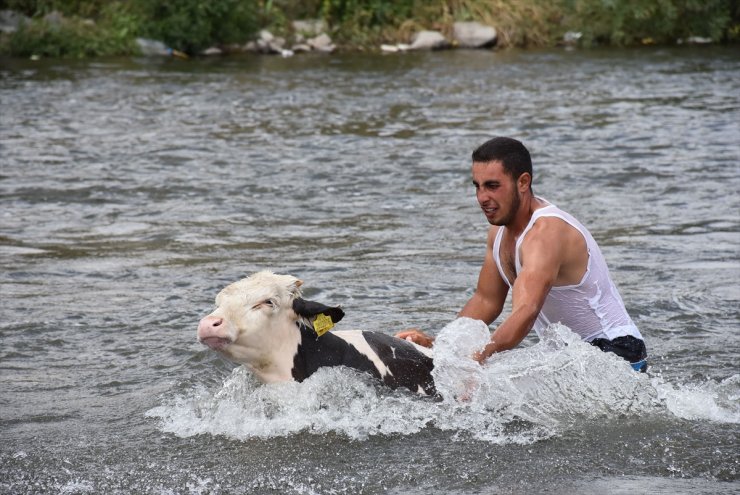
(549, 260)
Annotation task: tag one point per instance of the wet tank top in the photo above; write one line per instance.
(593, 308)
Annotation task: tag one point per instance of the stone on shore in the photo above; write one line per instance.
(149, 47)
(474, 35)
(321, 43)
(267, 43)
(11, 20)
(54, 18)
(212, 51)
(696, 40)
(400, 47)
(572, 37)
(429, 40)
(300, 48)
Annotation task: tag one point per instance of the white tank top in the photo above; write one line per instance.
(593, 308)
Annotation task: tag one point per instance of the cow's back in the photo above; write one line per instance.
(401, 363)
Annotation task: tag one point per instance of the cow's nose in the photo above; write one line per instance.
(213, 321)
(209, 325)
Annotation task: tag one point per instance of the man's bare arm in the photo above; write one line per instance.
(490, 294)
(542, 255)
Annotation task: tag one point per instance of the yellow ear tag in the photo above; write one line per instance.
(322, 324)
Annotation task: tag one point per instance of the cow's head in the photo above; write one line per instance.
(256, 320)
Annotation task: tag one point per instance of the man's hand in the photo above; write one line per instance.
(416, 336)
(485, 353)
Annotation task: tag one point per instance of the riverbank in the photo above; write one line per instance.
(89, 28)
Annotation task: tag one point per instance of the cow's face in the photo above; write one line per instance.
(253, 317)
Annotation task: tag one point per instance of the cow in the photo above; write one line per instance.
(263, 323)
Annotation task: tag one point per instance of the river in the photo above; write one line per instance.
(132, 190)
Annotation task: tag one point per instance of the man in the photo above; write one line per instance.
(549, 260)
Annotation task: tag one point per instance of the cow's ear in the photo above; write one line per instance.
(295, 286)
(310, 309)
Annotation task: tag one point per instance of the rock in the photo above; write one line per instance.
(400, 47)
(300, 48)
(152, 47)
(572, 37)
(321, 43)
(277, 44)
(307, 28)
(212, 51)
(11, 20)
(429, 40)
(267, 43)
(54, 18)
(474, 35)
(697, 40)
(265, 36)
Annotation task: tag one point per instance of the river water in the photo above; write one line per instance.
(133, 190)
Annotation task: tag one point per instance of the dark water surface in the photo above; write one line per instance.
(132, 190)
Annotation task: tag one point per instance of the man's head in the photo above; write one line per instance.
(511, 153)
(502, 175)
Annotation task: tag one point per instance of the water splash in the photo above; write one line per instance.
(719, 402)
(331, 400)
(519, 396)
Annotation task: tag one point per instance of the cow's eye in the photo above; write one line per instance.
(266, 302)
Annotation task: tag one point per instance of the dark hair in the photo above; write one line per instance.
(510, 152)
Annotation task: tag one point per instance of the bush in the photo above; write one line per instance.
(193, 25)
(70, 8)
(627, 22)
(74, 37)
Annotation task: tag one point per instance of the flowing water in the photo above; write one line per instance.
(133, 190)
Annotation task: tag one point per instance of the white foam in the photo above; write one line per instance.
(77, 486)
(708, 401)
(518, 396)
(331, 400)
(456, 375)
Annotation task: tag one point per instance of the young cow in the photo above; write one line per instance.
(263, 323)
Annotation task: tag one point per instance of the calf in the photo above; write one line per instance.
(263, 323)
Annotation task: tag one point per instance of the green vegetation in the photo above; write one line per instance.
(109, 27)
(74, 35)
(192, 25)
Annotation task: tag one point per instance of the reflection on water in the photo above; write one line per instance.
(133, 190)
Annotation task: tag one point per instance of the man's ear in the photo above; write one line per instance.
(524, 182)
(309, 309)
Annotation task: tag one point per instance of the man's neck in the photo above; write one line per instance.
(527, 207)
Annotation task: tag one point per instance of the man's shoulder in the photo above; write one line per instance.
(492, 233)
(550, 232)
(549, 225)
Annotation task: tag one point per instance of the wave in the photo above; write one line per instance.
(520, 396)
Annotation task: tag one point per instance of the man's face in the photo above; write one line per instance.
(496, 192)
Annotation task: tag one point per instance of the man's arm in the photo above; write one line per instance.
(485, 304)
(542, 255)
(490, 294)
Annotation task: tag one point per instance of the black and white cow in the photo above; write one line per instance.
(263, 323)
